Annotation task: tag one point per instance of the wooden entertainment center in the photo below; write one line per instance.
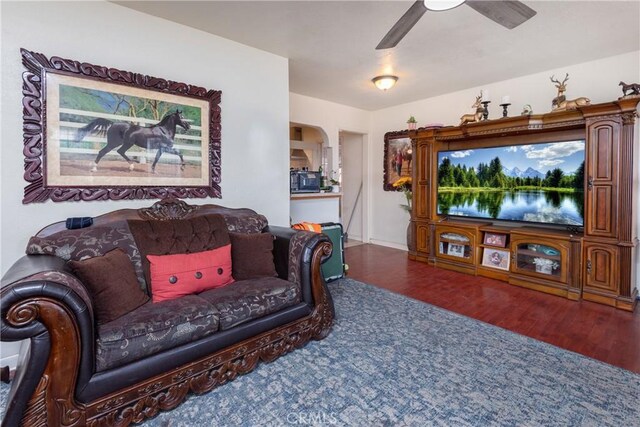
(596, 262)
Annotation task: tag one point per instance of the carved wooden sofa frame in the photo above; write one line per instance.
(46, 314)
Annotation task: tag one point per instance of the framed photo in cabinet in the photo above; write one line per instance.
(496, 258)
(495, 239)
(455, 250)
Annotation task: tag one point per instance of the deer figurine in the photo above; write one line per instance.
(560, 102)
(562, 88)
(572, 104)
(475, 117)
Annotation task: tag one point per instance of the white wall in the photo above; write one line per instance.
(598, 80)
(255, 103)
(352, 168)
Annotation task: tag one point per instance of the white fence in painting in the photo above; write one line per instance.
(68, 134)
(139, 120)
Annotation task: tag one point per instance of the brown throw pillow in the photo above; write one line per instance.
(252, 255)
(112, 283)
(178, 236)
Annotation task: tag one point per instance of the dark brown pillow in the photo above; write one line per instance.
(252, 255)
(178, 236)
(112, 283)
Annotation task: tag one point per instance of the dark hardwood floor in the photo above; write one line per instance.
(594, 330)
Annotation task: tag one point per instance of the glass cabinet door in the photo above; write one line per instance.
(454, 245)
(541, 259)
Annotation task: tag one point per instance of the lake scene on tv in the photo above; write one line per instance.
(540, 183)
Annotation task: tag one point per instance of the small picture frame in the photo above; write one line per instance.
(496, 258)
(455, 250)
(495, 239)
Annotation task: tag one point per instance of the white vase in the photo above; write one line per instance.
(335, 188)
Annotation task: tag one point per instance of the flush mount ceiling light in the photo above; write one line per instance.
(437, 5)
(385, 82)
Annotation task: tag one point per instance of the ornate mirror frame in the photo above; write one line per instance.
(40, 69)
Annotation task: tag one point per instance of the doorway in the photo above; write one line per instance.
(351, 150)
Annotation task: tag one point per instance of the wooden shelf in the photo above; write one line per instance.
(482, 245)
(532, 268)
(498, 229)
(454, 256)
(455, 242)
(537, 254)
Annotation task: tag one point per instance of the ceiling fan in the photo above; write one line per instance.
(509, 14)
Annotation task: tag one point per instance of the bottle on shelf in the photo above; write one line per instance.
(322, 179)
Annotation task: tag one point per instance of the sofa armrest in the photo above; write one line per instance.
(293, 252)
(43, 302)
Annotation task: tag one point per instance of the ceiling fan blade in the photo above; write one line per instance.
(509, 14)
(403, 26)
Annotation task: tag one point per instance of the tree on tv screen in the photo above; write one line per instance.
(492, 176)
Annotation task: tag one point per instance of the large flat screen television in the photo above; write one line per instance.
(539, 183)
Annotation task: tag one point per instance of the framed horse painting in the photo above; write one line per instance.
(397, 159)
(98, 133)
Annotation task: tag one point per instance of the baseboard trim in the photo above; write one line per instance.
(388, 244)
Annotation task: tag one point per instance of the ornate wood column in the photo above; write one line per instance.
(421, 184)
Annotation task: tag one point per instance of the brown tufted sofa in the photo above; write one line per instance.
(76, 373)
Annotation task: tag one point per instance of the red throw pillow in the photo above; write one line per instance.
(174, 276)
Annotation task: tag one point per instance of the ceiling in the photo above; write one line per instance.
(331, 44)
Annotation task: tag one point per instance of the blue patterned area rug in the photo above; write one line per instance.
(394, 361)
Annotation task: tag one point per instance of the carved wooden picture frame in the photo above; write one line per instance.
(99, 133)
(395, 142)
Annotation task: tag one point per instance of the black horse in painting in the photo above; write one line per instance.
(126, 135)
